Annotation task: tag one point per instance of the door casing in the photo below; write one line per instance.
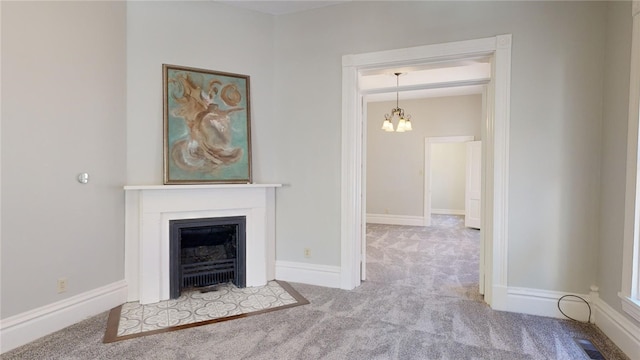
(496, 150)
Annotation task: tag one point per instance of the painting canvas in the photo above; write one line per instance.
(207, 137)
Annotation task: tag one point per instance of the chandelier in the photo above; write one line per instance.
(397, 114)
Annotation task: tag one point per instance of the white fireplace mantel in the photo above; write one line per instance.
(149, 209)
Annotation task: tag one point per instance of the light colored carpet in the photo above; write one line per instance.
(420, 302)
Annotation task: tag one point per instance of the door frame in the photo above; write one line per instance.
(428, 141)
(495, 127)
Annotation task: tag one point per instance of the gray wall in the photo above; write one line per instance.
(614, 151)
(395, 161)
(63, 112)
(448, 180)
(557, 75)
(201, 34)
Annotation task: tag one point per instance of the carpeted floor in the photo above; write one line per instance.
(420, 301)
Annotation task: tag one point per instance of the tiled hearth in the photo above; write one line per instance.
(193, 306)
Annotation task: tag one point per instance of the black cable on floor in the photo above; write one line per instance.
(569, 317)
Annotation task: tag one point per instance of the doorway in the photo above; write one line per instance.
(429, 183)
(495, 151)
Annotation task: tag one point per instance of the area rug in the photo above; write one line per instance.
(196, 308)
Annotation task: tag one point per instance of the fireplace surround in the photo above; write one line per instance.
(147, 237)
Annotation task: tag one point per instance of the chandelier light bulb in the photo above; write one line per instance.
(387, 125)
(402, 125)
(407, 124)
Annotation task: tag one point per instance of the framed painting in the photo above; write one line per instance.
(207, 131)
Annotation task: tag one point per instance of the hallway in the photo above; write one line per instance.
(442, 259)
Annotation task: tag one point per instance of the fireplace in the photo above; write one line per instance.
(150, 208)
(205, 252)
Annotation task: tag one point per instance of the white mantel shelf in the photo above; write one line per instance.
(150, 208)
(199, 186)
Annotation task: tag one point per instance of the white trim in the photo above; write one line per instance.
(363, 197)
(23, 328)
(417, 54)
(351, 183)
(618, 328)
(498, 145)
(147, 238)
(395, 219)
(497, 151)
(448, 211)
(199, 187)
(449, 139)
(487, 113)
(312, 274)
(499, 296)
(630, 306)
(545, 303)
(428, 141)
(631, 248)
(429, 86)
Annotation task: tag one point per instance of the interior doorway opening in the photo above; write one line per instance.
(433, 146)
(443, 109)
(495, 151)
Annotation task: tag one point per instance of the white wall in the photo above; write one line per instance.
(395, 161)
(448, 180)
(201, 34)
(63, 113)
(556, 83)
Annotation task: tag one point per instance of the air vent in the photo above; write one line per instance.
(590, 349)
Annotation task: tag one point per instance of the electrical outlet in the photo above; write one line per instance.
(307, 252)
(62, 285)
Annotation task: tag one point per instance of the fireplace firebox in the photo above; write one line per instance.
(205, 252)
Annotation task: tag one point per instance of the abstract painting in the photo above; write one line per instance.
(207, 137)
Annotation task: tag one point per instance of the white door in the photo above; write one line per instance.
(474, 185)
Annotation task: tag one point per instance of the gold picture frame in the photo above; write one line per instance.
(207, 126)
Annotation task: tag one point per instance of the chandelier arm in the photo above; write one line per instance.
(397, 90)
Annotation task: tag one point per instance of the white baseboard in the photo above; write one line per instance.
(622, 331)
(23, 328)
(447, 212)
(395, 219)
(545, 303)
(320, 275)
(498, 297)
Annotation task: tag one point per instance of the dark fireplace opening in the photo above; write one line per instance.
(205, 252)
